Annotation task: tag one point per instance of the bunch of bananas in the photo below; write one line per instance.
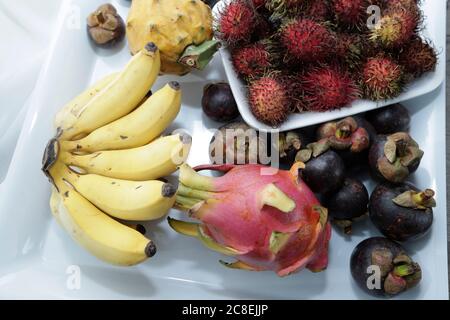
(106, 157)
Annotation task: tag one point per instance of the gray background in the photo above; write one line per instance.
(448, 128)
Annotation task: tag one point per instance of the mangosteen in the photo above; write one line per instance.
(218, 102)
(402, 212)
(237, 143)
(105, 27)
(347, 203)
(289, 143)
(394, 157)
(350, 140)
(381, 267)
(324, 171)
(391, 119)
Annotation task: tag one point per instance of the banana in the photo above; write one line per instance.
(123, 199)
(119, 97)
(159, 158)
(68, 113)
(138, 128)
(101, 235)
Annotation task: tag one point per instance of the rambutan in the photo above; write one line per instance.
(285, 8)
(407, 4)
(263, 29)
(382, 78)
(236, 22)
(293, 84)
(327, 88)
(350, 13)
(350, 48)
(418, 57)
(306, 40)
(253, 60)
(258, 3)
(269, 99)
(395, 28)
(317, 11)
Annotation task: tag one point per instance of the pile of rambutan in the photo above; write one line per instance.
(320, 55)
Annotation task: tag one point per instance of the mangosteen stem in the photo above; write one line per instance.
(418, 200)
(401, 147)
(404, 270)
(343, 132)
(101, 18)
(424, 197)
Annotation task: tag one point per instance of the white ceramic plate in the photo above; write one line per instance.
(434, 11)
(38, 259)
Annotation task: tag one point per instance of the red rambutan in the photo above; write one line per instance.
(350, 48)
(258, 3)
(328, 88)
(407, 4)
(285, 8)
(263, 29)
(293, 84)
(252, 61)
(269, 99)
(382, 78)
(306, 40)
(395, 28)
(350, 13)
(317, 10)
(418, 57)
(236, 22)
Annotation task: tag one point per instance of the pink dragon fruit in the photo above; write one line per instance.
(267, 222)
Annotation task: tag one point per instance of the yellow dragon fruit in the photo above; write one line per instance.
(182, 30)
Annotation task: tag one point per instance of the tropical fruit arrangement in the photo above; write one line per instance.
(111, 152)
(320, 55)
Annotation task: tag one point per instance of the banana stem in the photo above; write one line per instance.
(68, 146)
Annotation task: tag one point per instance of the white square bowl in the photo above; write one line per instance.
(435, 29)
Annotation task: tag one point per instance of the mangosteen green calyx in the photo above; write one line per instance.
(402, 212)
(105, 26)
(237, 143)
(394, 157)
(391, 119)
(347, 137)
(218, 102)
(348, 203)
(381, 267)
(324, 170)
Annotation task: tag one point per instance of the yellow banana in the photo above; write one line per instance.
(68, 113)
(159, 158)
(123, 199)
(119, 97)
(101, 235)
(137, 128)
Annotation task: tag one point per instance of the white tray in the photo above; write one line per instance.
(37, 253)
(434, 11)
